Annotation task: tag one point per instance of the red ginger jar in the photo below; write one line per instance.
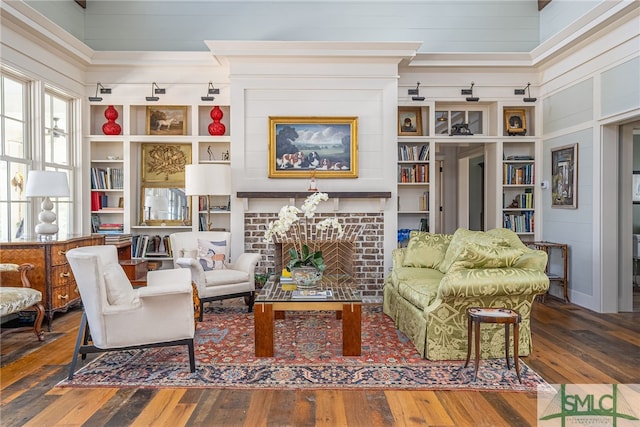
(216, 128)
(111, 127)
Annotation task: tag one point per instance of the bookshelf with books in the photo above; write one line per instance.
(413, 181)
(519, 187)
(115, 175)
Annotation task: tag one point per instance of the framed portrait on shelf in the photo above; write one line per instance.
(636, 187)
(164, 162)
(409, 121)
(167, 120)
(322, 147)
(515, 121)
(564, 177)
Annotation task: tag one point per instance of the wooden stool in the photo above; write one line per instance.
(478, 315)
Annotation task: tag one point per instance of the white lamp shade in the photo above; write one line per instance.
(47, 184)
(211, 179)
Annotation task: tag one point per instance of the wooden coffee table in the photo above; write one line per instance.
(273, 301)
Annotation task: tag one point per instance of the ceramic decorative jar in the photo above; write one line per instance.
(111, 127)
(216, 127)
(306, 277)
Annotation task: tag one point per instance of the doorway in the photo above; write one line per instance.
(460, 184)
(628, 290)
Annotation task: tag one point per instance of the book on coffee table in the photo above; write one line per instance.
(311, 294)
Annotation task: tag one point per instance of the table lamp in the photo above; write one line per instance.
(47, 184)
(209, 179)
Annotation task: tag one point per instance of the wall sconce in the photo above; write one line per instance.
(155, 90)
(210, 91)
(528, 98)
(102, 89)
(470, 92)
(416, 92)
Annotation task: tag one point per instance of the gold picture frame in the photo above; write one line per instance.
(167, 120)
(515, 121)
(164, 162)
(409, 121)
(323, 147)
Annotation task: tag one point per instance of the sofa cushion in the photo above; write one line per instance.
(225, 277)
(419, 286)
(475, 255)
(463, 237)
(426, 250)
(118, 287)
(212, 254)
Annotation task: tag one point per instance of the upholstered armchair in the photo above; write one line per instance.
(206, 255)
(118, 317)
(17, 295)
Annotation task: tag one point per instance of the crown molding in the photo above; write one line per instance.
(32, 22)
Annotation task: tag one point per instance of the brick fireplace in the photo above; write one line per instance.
(366, 261)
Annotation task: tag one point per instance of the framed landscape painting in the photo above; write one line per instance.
(564, 174)
(322, 147)
(167, 120)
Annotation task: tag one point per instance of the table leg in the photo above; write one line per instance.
(516, 338)
(351, 329)
(263, 325)
(477, 344)
(469, 334)
(506, 344)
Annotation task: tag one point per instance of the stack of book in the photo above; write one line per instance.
(110, 228)
(287, 283)
(116, 239)
(311, 294)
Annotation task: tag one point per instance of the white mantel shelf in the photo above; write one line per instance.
(333, 195)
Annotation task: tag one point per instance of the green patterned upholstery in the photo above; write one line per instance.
(429, 306)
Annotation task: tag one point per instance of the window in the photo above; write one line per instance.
(14, 154)
(445, 119)
(22, 150)
(57, 151)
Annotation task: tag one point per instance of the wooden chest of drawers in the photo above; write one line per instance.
(52, 274)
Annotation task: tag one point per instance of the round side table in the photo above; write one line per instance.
(506, 316)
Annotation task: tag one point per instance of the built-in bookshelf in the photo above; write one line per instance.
(518, 187)
(116, 173)
(446, 138)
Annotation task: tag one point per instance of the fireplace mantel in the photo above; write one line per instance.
(335, 196)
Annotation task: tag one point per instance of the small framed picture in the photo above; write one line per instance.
(636, 187)
(515, 121)
(167, 120)
(564, 170)
(409, 121)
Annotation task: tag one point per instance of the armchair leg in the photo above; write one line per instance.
(192, 356)
(252, 300)
(37, 324)
(82, 331)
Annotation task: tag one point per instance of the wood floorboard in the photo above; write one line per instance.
(570, 345)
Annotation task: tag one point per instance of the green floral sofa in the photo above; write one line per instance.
(437, 276)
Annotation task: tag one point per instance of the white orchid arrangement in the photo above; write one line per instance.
(290, 226)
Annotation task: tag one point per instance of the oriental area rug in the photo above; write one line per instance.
(308, 354)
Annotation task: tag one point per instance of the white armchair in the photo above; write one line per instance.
(118, 317)
(206, 255)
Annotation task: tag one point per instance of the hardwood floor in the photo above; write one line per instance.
(571, 345)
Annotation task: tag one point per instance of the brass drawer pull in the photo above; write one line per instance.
(61, 252)
(67, 274)
(63, 296)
